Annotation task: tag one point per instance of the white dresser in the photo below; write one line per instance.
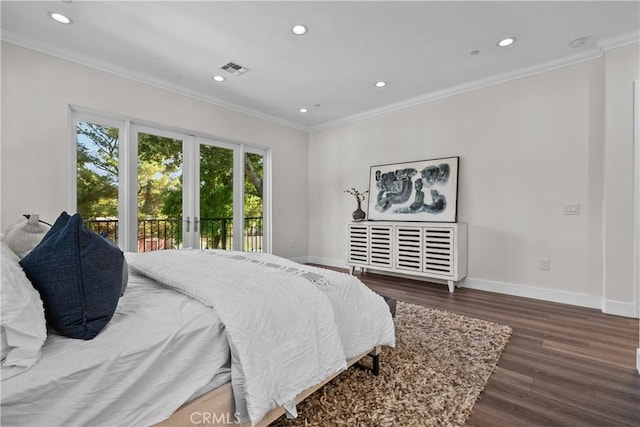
(428, 249)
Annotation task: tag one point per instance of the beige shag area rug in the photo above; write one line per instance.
(441, 363)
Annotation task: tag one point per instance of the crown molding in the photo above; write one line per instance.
(27, 43)
(594, 52)
(619, 41)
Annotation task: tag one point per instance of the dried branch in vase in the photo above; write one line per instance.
(356, 193)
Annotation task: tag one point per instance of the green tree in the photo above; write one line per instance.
(159, 170)
(159, 173)
(160, 180)
(253, 187)
(216, 185)
(97, 171)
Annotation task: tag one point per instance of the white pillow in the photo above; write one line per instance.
(25, 235)
(22, 326)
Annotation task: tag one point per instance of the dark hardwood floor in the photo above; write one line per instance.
(563, 366)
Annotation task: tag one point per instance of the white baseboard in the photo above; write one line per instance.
(329, 262)
(617, 308)
(527, 291)
(300, 259)
(638, 360)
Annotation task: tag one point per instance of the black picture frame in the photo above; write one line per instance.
(425, 190)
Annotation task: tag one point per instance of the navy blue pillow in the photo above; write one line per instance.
(125, 265)
(79, 277)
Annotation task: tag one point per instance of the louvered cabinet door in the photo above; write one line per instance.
(438, 251)
(409, 244)
(426, 249)
(380, 252)
(358, 244)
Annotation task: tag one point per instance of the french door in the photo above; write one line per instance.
(229, 195)
(154, 189)
(162, 218)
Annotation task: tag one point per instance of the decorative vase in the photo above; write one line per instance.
(358, 214)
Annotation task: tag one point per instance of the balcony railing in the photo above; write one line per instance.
(158, 234)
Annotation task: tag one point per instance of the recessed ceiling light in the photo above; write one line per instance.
(579, 42)
(218, 78)
(507, 41)
(381, 84)
(58, 17)
(299, 29)
(303, 110)
(474, 52)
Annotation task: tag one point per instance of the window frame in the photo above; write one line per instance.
(128, 129)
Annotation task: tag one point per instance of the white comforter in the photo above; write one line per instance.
(159, 350)
(289, 326)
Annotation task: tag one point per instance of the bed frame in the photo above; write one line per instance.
(217, 407)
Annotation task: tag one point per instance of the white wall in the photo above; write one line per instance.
(526, 148)
(37, 90)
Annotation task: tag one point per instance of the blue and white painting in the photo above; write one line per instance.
(416, 191)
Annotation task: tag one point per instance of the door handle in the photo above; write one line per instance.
(188, 221)
(195, 224)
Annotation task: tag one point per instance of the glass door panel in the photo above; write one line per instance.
(253, 202)
(97, 178)
(159, 192)
(149, 188)
(215, 224)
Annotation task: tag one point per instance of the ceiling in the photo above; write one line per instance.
(421, 49)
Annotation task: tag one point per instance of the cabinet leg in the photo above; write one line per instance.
(451, 284)
(351, 270)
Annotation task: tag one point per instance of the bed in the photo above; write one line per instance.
(203, 337)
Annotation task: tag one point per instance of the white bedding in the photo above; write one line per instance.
(160, 350)
(289, 326)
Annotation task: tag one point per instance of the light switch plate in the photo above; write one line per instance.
(573, 209)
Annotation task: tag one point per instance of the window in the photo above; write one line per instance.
(150, 188)
(216, 188)
(97, 176)
(159, 190)
(253, 201)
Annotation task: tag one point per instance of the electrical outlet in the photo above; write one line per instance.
(545, 265)
(572, 209)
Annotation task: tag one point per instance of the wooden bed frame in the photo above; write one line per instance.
(217, 407)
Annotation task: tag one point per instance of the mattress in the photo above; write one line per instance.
(160, 350)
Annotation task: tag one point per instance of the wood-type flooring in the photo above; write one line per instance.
(563, 366)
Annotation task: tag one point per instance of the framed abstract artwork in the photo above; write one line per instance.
(426, 190)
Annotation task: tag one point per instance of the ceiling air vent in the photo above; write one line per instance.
(235, 69)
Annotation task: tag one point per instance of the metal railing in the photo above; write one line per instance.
(158, 234)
